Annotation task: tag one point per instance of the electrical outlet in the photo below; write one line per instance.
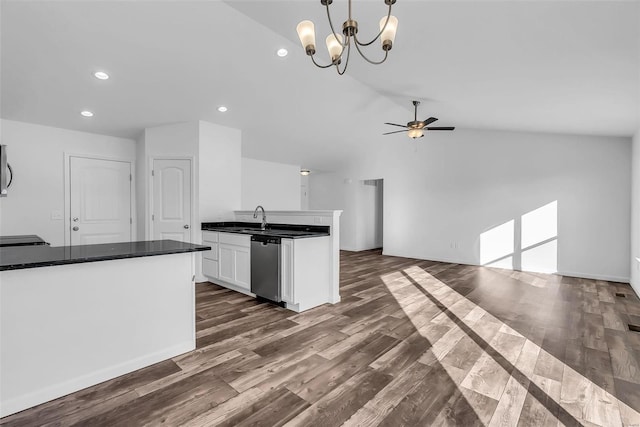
(56, 215)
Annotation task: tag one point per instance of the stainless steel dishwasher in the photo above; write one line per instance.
(265, 267)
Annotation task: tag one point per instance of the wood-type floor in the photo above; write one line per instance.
(414, 343)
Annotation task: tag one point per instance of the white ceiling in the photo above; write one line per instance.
(544, 66)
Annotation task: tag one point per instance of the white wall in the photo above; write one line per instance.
(178, 140)
(36, 154)
(304, 192)
(220, 171)
(440, 199)
(276, 186)
(635, 215)
(330, 191)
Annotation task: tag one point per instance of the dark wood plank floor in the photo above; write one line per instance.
(412, 343)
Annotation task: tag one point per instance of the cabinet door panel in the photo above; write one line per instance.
(286, 270)
(213, 253)
(227, 264)
(210, 268)
(243, 267)
(210, 236)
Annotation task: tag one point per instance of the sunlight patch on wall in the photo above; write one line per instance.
(496, 246)
(540, 224)
(540, 239)
(542, 258)
(528, 243)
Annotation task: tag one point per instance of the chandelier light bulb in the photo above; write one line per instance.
(388, 35)
(307, 34)
(334, 46)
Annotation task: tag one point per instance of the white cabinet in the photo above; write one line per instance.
(210, 258)
(305, 267)
(305, 277)
(229, 261)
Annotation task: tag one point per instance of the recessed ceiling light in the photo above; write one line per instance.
(222, 108)
(101, 75)
(86, 113)
(305, 172)
(282, 52)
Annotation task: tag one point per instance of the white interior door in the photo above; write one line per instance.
(100, 201)
(172, 199)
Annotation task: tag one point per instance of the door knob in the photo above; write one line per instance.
(76, 228)
(75, 219)
(186, 226)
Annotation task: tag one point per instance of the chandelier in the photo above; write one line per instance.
(337, 45)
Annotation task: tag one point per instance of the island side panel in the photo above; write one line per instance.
(65, 328)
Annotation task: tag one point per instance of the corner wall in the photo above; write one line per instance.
(635, 214)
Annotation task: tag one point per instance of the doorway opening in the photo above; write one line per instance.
(372, 219)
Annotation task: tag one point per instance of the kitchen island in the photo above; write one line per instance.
(75, 316)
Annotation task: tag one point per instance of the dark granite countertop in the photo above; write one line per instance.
(285, 231)
(21, 240)
(21, 257)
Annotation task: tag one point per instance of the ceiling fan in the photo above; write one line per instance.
(416, 128)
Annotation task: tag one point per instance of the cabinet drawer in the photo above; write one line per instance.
(210, 268)
(235, 239)
(209, 236)
(213, 253)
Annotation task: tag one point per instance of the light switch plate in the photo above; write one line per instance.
(56, 215)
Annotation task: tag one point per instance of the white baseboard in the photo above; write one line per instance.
(608, 278)
(436, 259)
(622, 279)
(55, 391)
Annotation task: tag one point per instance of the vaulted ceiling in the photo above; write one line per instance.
(542, 66)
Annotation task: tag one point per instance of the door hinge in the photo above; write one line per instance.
(153, 173)
(153, 217)
(130, 220)
(130, 177)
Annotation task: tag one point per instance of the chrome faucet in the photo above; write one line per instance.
(264, 217)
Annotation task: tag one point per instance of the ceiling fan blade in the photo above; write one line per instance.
(441, 128)
(396, 131)
(429, 121)
(395, 124)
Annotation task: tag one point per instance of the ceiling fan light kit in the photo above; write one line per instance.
(415, 133)
(338, 45)
(415, 128)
